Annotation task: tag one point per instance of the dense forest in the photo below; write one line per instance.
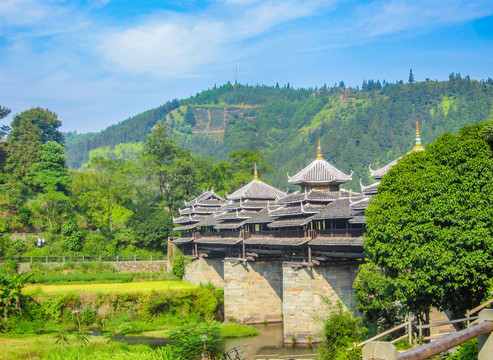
(113, 206)
(372, 124)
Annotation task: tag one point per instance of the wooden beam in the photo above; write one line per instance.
(447, 342)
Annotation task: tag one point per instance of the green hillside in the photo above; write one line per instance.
(372, 125)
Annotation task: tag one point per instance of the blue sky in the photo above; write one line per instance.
(98, 62)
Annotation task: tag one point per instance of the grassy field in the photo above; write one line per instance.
(107, 288)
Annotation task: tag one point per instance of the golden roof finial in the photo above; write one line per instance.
(319, 151)
(417, 145)
(255, 174)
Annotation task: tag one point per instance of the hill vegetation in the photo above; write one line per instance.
(373, 124)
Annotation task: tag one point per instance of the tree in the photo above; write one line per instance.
(430, 228)
(30, 129)
(190, 117)
(50, 172)
(4, 129)
(411, 76)
(159, 152)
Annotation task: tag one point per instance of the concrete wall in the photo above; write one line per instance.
(302, 301)
(253, 291)
(204, 270)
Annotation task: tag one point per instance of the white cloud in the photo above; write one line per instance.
(178, 45)
(388, 17)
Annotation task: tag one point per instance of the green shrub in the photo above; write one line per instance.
(179, 264)
(466, 351)
(88, 316)
(340, 331)
(194, 341)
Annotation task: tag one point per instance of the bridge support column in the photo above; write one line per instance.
(204, 270)
(303, 289)
(253, 291)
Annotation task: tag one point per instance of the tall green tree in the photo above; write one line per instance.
(159, 153)
(430, 228)
(30, 129)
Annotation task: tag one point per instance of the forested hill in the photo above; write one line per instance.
(372, 125)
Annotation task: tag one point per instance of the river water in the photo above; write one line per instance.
(270, 342)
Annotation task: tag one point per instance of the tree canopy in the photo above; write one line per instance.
(430, 229)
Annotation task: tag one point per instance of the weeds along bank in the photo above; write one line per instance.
(120, 312)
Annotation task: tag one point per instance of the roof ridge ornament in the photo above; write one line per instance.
(418, 145)
(319, 151)
(255, 174)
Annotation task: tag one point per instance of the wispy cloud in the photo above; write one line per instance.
(388, 17)
(178, 45)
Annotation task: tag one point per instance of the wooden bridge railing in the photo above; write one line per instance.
(482, 330)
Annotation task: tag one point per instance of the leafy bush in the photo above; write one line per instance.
(179, 264)
(194, 341)
(340, 331)
(466, 351)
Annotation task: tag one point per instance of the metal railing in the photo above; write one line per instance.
(83, 258)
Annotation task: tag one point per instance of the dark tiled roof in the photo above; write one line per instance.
(207, 198)
(335, 210)
(188, 219)
(269, 240)
(312, 195)
(300, 209)
(208, 221)
(360, 204)
(380, 173)
(229, 225)
(320, 172)
(257, 189)
(360, 219)
(370, 189)
(182, 240)
(261, 217)
(185, 227)
(233, 215)
(290, 222)
(322, 240)
(218, 240)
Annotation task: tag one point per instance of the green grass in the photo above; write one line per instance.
(81, 278)
(108, 288)
(238, 330)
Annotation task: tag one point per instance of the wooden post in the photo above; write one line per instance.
(410, 329)
(420, 329)
(448, 342)
(31, 259)
(467, 316)
(485, 341)
(47, 259)
(309, 254)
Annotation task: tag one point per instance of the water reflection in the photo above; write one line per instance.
(270, 342)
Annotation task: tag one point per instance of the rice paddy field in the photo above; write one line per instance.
(108, 288)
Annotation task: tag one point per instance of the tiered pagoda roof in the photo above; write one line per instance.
(319, 173)
(198, 210)
(245, 203)
(320, 187)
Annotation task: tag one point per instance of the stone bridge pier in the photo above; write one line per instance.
(273, 291)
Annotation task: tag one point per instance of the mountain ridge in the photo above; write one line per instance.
(358, 127)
